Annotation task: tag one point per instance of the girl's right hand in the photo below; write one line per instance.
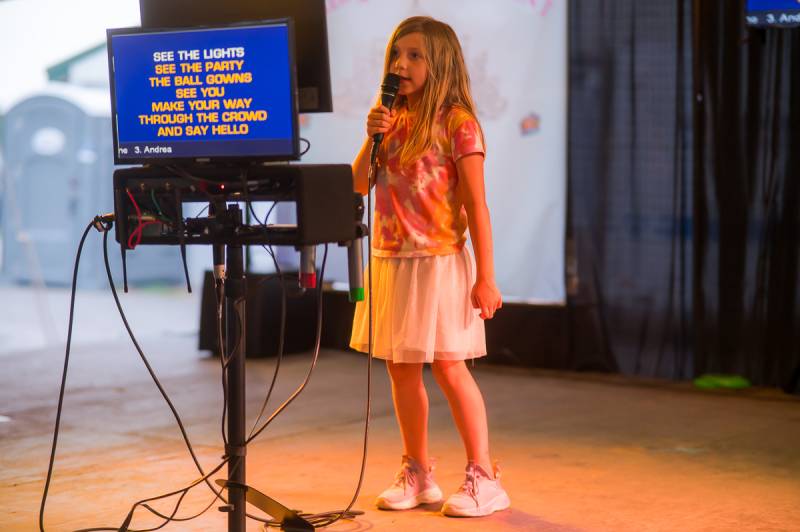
(379, 120)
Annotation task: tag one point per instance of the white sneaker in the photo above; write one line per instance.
(412, 486)
(479, 495)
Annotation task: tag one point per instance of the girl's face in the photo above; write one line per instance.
(407, 60)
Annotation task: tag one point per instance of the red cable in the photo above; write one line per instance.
(138, 229)
(141, 224)
(138, 233)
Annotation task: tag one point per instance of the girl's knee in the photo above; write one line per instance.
(446, 371)
(404, 373)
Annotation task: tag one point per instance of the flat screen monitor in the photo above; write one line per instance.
(205, 94)
(778, 13)
(311, 31)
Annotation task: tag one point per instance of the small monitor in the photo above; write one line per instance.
(776, 13)
(311, 31)
(223, 94)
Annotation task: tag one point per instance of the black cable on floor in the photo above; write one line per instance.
(282, 333)
(152, 373)
(63, 375)
(322, 519)
(317, 343)
(311, 518)
(328, 518)
(346, 512)
(168, 519)
(103, 223)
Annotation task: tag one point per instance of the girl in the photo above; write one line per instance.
(428, 190)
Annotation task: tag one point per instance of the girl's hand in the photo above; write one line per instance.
(379, 120)
(486, 297)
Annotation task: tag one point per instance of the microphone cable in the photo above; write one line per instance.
(51, 463)
(282, 334)
(318, 519)
(329, 518)
(103, 224)
(204, 476)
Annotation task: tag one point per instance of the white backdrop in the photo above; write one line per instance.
(517, 58)
(516, 53)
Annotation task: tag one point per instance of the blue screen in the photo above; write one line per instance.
(204, 93)
(773, 12)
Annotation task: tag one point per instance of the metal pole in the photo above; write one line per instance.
(235, 308)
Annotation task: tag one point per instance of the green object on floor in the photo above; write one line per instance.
(733, 382)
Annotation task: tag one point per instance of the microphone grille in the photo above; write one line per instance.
(391, 83)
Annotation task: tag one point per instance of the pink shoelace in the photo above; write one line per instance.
(470, 485)
(405, 477)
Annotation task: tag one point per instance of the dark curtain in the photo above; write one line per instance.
(629, 247)
(747, 195)
(683, 213)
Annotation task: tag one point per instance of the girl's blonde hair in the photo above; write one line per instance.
(447, 83)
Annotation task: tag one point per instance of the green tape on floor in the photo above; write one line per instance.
(734, 382)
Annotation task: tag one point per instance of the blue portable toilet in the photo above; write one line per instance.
(57, 175)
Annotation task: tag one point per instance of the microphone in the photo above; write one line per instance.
(355, 270)
(389, 88)
(308, 268)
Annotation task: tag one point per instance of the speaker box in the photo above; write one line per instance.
(263, 316)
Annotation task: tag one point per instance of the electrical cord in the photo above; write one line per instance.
(281, 346)
(143, 503)
(199, 214)
(152, 373)
(224, 366)
(205, 476)
(308, 146)
(254, 434)
(63, 375)
(318, 520)
(329, 518)
(318, 339)
(226, 360)
(282, 334)
(135, 238)
(219, 292)
(315, 519)
(346, 512)
(157, 205)
(103, 223)
(317, 343)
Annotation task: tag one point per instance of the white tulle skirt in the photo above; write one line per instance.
(421, 310)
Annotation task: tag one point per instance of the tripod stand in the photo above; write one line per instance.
(239, 493)
(326, 211)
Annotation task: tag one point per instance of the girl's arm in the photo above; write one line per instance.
(361, 168)
(379, 120)
(485, 294)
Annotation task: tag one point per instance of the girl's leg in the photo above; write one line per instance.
(469, 411)
(411, 409)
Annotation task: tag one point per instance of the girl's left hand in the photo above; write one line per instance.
(486, 297)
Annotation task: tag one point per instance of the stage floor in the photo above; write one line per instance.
(578, 452)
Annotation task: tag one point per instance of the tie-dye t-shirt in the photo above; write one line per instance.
(417, 210)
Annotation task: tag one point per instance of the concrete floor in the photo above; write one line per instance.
(579, 452)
